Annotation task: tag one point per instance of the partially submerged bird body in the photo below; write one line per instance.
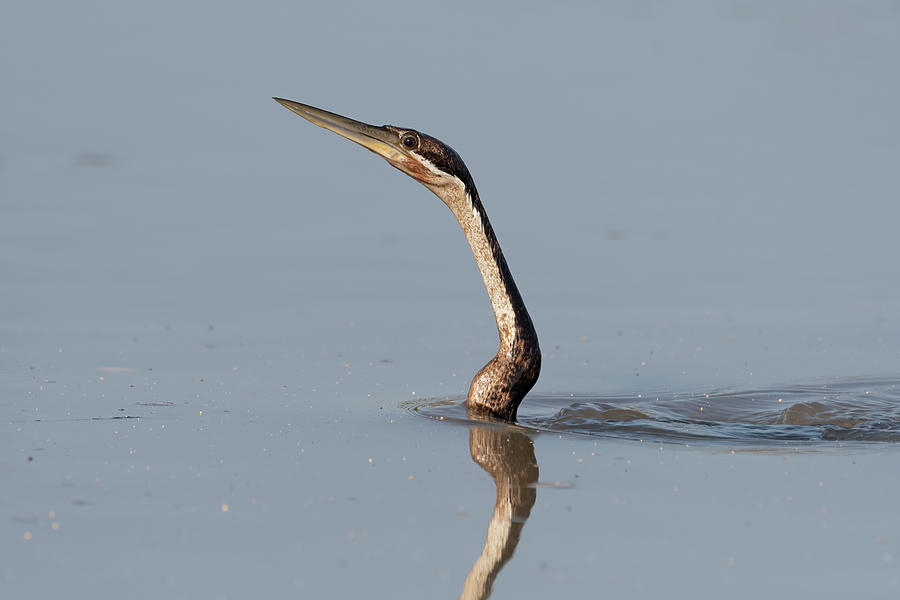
(500, 385)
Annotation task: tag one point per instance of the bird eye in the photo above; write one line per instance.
(410, 141)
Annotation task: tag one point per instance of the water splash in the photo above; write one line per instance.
(845, 409)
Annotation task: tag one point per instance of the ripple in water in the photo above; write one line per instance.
(865, 410)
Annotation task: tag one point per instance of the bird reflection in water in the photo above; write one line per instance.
(508, 456)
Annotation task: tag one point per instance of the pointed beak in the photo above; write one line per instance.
(379, 140)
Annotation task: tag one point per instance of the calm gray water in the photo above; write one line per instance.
(221, 327)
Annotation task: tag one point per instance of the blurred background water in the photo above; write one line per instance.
(692, 197)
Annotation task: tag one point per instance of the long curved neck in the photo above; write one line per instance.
(501, 384)
(513, 320)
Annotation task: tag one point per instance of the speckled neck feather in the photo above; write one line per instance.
(500, 385)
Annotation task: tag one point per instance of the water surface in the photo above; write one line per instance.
(853, 409)
(213, 315)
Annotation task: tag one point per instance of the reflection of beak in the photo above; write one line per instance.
(379, 140)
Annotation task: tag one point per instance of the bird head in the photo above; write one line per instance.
(427, 160)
